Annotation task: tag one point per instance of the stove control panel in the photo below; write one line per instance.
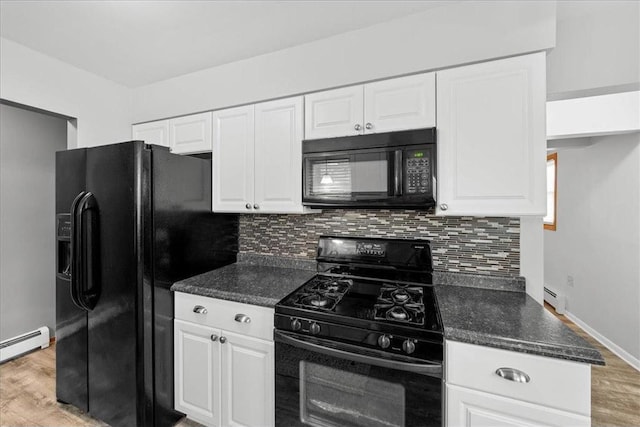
(375, 340)
(370, 249)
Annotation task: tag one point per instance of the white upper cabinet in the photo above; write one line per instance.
(233, 154)
(491, 138)
(190, 134)
(257, 158)
(384, 106)
(152, 133)
(332, 113)
(278, 156)
(399, 104)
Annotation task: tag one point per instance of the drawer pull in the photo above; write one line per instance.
(513, 375)
(200, 309)
(243, 318)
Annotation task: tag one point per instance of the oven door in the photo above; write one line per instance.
(323, 383)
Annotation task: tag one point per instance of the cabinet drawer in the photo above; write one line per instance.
(555, 383)
(221, 314)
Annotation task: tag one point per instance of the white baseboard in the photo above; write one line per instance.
(617, 350)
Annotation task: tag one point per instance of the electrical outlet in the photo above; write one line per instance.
(570, 281)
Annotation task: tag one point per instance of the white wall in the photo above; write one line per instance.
(598, 45)
(449, 35)
(102, 108)
(27, 219)
(597, 240)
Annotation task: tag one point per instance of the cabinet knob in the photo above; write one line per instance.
(256, 206)
(248, 206)
(223, 340)
(444, 206)
(357, 127)
(200, 309)
(368, 126)
(512, 374)
(214, 337)
(242, 318)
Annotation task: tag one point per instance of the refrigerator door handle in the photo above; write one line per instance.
(76, 250)
(87, 286)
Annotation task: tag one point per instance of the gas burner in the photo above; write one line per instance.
(331, 284)
(317, 301)
(323, 293)
(400, 296)
(400, 303)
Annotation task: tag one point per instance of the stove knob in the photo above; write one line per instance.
(384, 341)
(295, 324)
(408, 346)
(314, 328)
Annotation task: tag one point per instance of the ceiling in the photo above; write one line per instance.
(135, 43)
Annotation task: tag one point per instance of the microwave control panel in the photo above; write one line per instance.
(417, 172)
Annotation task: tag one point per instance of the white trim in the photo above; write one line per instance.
(617, 350)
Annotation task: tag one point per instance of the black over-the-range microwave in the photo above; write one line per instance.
(383, 170)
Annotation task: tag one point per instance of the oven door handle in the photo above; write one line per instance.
(432, 370)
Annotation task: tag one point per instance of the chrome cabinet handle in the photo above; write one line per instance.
(200, 309)
(214, 337)
(357, 127)
(512, 374)
(248, 206)
(256, 206)
(444, 206)
(223, 340)
(242, 318)
(368, 126)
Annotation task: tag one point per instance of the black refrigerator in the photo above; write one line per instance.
(131, 220)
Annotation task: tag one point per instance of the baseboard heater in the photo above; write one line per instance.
(24, 343)
(556, 299)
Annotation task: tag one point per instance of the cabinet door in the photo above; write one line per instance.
(471, 408)
(152, 133)
(278, 156)
(248, 381)
(333, 113)
(190, 134)
(400, 104)
(233, 154)
(197, 372)
(491, 138)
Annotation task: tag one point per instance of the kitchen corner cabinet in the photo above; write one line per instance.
(183, 135)
(257, 153)
(557, 393)
(491, 138)
(389, 105)
(152, 133)
(224, 366)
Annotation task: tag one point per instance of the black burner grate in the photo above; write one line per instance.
(399, 303)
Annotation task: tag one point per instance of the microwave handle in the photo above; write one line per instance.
(397, 178)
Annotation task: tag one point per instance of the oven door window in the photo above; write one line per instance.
(364, 175)
(334, 397)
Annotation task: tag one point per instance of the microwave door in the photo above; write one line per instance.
(364, 175)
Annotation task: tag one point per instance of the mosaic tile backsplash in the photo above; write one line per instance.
(460, 244)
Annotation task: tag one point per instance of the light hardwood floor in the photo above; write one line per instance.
(27, 392)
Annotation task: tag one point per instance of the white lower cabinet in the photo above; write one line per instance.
(224, 377)
(472, 408)
(551, 392)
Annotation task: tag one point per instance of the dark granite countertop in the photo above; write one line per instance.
(252, 281)
(511, 321)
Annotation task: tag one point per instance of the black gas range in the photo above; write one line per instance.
(370, 309)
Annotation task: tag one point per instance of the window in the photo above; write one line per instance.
(552, 192)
